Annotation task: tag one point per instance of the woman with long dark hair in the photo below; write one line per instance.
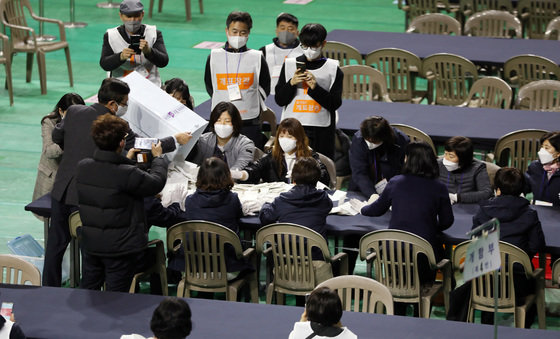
(51, 152)
(290, 144)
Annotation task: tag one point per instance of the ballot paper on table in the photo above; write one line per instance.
(155, 114)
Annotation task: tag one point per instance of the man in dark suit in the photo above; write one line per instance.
(73, 134)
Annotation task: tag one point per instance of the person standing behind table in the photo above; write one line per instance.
(290, 144)
(543, 176)
(239, 75)
(224, 140)
(285, 45)
(312, 93)
(111, 191)
(73, 136)
(51, 152)
(466, 178)
(120, 57)
(376, 155)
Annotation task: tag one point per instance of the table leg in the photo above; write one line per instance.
(73, 23)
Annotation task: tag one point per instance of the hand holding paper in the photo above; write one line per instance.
(357, 204)
(239, 175)
(373, 198)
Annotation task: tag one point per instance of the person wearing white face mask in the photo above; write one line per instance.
(376, 155)
(73, 134)
(284, 45)
(239, 75)
(543, 175)
(224, 140)
(133, 46)
(466, 178)
(310, 90)
(276, 165)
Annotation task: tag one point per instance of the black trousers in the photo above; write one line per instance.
(59, 238)
(115, 272)
(321, 139)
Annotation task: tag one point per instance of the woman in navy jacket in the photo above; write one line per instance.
(543, 175)
(376, 153)
(420, 202)
(213, 201)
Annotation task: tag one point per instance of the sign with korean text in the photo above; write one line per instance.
(244, 80)
(483, 256)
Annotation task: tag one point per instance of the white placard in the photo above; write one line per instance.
(153, 113)
(483, 256)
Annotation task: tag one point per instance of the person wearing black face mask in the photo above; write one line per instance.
(284, 45)
(133, 46)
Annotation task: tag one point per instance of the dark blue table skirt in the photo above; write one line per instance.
(48, 312)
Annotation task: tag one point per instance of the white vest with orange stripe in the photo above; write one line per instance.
(243, 69)
(275, 57)
(137, 62)
(303, 107)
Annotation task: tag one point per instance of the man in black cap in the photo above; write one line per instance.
(133, 46)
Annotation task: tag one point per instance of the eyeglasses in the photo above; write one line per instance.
(305, 48)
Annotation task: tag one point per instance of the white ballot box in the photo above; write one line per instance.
(153, 113)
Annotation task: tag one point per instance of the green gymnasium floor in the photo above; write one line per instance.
(20, 130)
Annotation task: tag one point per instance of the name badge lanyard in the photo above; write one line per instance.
(237, 72)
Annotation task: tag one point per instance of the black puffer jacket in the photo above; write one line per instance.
(267, 169)
(519, 223)
(111, 191)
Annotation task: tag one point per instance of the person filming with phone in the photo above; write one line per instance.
(133, 46)
(310, 90)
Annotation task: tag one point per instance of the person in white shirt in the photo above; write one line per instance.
(284, 45)
(171, 320)
(321, 318)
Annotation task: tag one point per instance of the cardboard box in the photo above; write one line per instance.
(155, 114)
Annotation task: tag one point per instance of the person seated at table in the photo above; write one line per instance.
(543, 176)
(284, 45)
(376, 155)
(51, 152)
(224, 140)
(214, 201)
(304, 204)
(466, 178)
(170, 320)
(179, 89)
(321, 318)
(310, 89)
(10, 329)
(519, 226)
(290, 144)
(111, 191)
(420, 203)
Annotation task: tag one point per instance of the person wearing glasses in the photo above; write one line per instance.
(310, 90)
(73, 135)
(239, 75)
